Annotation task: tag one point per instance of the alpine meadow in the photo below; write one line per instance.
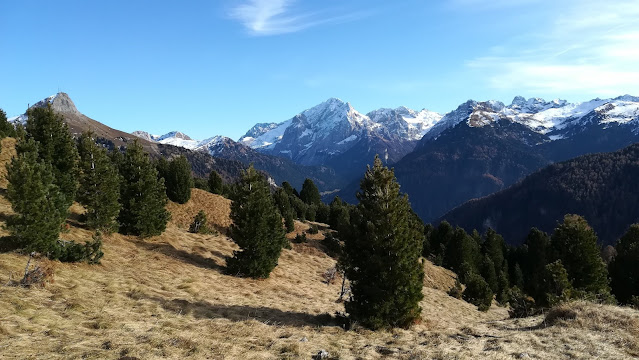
(405, 223)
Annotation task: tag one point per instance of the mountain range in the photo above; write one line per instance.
(441, 161)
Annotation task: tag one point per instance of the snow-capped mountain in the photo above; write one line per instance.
(174, 138)
(333, 128)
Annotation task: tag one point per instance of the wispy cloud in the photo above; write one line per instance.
(590, 47)
(274, 17)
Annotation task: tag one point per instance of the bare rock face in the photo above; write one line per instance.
(60, 102)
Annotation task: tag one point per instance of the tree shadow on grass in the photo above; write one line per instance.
(171, 251)
(269, 316)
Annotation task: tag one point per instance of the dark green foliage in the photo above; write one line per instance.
(6, 128)
(310, 194)
(300, 238)
(488, 273)
(313, 229)
(216, 184)
(624, 269)
(142, 194)
(439, 240)
(574, 243)
(557, 285)
(201, 184)
(381, 254)
(289, 221)
(70, 251)
(494, 247)
(428, 234)
(40, 207)
(311, 212)
(456, 291)
(299, 207)
(478, 292)
(332, 244)
(322, 213)
(537, 257)
(462, 248)
(339, 216)
(256, 229)
(502, 287)
(290, 190)
(199, 224)
(179, 180)
(521, 305)
(162, 166)
(283, 203)
(518, 276)
(56, 147)
(99, 189)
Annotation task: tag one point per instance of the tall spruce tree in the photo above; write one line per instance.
(462, 249)
(310, 194)
(99, 189)
(216, 185)
(40, 207)
(142, 194)
(381, 254)
(6, 128)
(624, 269)
(538, 247)
(256, 229)
(55, 146)
(179, 180)
(574, 242)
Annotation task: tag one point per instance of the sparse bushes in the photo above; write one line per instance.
(332, 244)
(199, 224)
(521, 305)
(70, 251)
(457, 290)
(313, 229)
(300, 238)
(478, 292)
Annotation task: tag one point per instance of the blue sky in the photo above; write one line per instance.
(218, 67)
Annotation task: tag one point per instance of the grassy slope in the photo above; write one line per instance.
(167, 297)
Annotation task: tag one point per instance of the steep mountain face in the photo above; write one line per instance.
(483, 147)
(202, 163)
(600, 187)
(335, 134)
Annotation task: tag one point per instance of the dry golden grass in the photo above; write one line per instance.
(168, 297)
(216, 207)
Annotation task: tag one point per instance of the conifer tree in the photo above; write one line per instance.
(99, 189)
(162, 166)
(179, 180)
(256, 229)
(381, 254)
(55, 146)
(339, 217)
(538, 246)
(439, 240)
(478, 292)
(488, 273)
(310, 194)
(494, 246)
(6, 128)
(39, 204)
(462, 248)
(624, 269)
(574, 242)
(142, 194)
(216, 185)
(557, 286)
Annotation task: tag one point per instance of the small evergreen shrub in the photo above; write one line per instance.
(521, 305)
(478, 292)
(456, 291)
(332, 244)
(199, 224)
(300, 238)
(313, 229)
(70, 251)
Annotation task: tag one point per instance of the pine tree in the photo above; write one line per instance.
(339, 217)
(99, 189)
(6, 128)
(495, 247)
(462, 248)
(439, 240)
(142, 194)
(488, 273)
(256, 229)
(478, 292)
(216, 185)
(381, 254)
(557, 286)
(39, 204)
(574, 242)
(538, 246)
(310, 194)
(199, 224)
(55, 146)
(179, 180)
(624, 269)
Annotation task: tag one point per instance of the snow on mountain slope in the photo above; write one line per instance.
(270, 135)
